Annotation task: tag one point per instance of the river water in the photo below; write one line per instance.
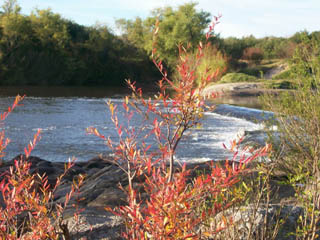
(63, 121)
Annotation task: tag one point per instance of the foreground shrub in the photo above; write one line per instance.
(27, 210)
(175, 205)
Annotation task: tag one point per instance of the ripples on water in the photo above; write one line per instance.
(64, 120)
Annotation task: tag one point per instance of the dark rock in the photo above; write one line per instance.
(42, 170)
(61, 192)
(97, 162)
(107, 178)
(109, 197)
(44, 164)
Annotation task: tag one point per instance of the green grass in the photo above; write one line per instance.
(280, 84)
(238, 77)
(258, 70)
(282, 75)
(255, 73)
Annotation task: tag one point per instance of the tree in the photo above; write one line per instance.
(10, 6)
(233, 47)
(133, 31)
(49, 27)
(177, 26)
(15, 44)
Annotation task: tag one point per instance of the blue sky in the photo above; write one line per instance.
(239, 17)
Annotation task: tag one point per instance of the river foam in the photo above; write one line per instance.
(64, 121)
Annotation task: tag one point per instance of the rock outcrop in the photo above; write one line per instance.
(101, 189)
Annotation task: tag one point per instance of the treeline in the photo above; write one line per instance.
(45, 49)
(187, 25)
(251, 48)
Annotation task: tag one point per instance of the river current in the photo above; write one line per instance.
(64, 121)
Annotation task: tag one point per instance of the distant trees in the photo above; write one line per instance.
(46, 49)
(271, 47)
(234, 47)
(43, 48)
(253, 54)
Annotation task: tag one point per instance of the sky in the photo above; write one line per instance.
(260, 18)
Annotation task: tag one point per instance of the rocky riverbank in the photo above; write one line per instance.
(242, 89)
(101, 189)
(250, 114)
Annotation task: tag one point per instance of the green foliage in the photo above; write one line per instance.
(213, 62)
(274, 47)
(134, 31)
(237, 77)
(298, 121)
(234, 47)
(253, 54)
(251, 71)
(283, 75)
(256, 71)
(306, 61)
(10, 6)
(303, 105)
(271, 47)
(177, 26)
(46, 49)
(281, 84)
(259, 70)
(49, 28)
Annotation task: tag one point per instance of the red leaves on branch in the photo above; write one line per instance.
(32, 144)
(27, 211)
(177, 206)
(14, 105)
(3, 140)
(94, 131)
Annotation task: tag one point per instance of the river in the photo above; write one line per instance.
(64, 118)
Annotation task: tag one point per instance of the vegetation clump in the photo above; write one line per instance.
(27, 210)
(281, 84)
(297, 118)
(237, 77)
(177, 205)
